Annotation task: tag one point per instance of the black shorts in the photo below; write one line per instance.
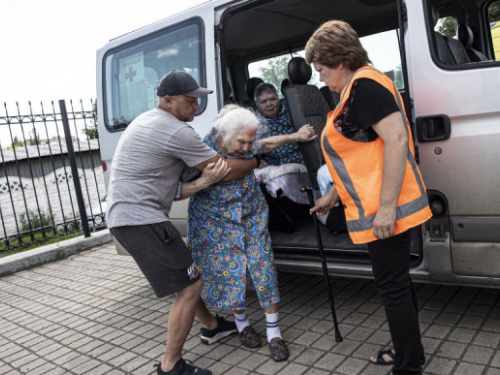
(161, 254)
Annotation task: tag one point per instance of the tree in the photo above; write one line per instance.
(276, 71)
(91, 131)
(494, 11)
(446, 27)
(34, 138)
(398, 77)
(17, 142)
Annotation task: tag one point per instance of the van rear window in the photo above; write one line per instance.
(132, 71)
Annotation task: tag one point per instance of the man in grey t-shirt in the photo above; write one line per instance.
(147, 164)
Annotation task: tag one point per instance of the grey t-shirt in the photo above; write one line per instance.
(149, 159)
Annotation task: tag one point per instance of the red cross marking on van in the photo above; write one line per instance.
(131, 74)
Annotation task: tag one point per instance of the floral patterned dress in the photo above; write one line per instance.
(229, 240)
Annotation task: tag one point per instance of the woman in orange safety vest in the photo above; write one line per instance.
(368, 147)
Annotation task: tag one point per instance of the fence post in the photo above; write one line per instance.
(74, 170)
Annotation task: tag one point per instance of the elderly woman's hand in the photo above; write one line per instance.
(306, 133)
(214, 172)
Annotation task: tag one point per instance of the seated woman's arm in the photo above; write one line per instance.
(305, 134)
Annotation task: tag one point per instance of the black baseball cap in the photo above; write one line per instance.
(178, 82)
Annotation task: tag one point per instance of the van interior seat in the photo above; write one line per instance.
(284, 83)
(450, 51)
(306, 105)
(332, 97)
(466, 37)
(250, 86)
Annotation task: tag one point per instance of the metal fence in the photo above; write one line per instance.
(51, 181)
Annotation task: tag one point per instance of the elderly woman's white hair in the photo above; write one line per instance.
(230, 121)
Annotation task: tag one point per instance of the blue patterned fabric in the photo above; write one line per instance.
(288, 153)
(229, 239)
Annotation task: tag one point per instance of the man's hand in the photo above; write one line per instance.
(214, 172)
(306, 133)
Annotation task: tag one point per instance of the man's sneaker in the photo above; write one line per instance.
(223, 329)
(182, 367)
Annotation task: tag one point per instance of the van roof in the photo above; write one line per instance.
(283, 25)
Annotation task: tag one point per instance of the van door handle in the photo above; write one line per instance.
(433, 128)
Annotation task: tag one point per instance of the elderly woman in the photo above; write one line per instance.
(278, 122)
(368, 147)
(227, 229)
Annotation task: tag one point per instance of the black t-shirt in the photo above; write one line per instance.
(368, 103)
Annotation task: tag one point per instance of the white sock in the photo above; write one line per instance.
(241, 321)
(272, 328)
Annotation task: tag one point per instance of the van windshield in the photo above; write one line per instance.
(132, 71)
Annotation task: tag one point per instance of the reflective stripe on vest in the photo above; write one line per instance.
(365, 223)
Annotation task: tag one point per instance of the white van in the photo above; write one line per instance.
(442, 58)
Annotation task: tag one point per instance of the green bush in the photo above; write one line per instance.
(37, 220)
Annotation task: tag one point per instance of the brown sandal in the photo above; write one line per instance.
(278, 349)
(250, 338)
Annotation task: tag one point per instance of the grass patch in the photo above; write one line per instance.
(39, 241)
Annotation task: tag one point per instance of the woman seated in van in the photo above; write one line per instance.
(228, 234)
(287, 173)
(274, 114)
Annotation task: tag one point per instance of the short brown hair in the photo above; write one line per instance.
(336, 42)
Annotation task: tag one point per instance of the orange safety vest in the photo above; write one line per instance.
(356, 169)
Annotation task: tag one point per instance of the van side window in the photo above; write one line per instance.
(460, 33)
(494, 18)
(132, 71)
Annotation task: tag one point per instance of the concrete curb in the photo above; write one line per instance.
(59, 250)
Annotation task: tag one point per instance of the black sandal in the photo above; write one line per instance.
(381, 359)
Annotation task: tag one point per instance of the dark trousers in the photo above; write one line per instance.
(390, 260)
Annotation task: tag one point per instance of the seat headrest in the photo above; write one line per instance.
(299, 71)
(465, 35)
(251, 84)
(286, 82)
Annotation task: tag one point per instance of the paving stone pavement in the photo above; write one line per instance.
(94, 313)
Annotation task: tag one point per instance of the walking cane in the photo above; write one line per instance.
(309, 191)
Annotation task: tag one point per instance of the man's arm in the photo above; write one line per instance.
(212, 172)
(305, 134)
(238, 168)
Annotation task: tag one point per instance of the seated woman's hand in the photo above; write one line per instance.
(322, 206)
(325, 203)
(306, 133)
(214, 172)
